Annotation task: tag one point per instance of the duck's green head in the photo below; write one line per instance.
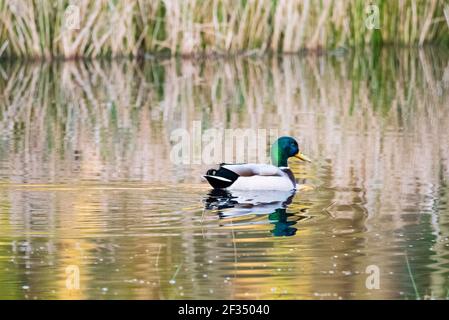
(284, 148)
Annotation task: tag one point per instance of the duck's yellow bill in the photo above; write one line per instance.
(302, 157)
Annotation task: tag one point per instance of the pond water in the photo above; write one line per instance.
(88, 186)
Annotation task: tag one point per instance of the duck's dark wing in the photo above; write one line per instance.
(221, 178)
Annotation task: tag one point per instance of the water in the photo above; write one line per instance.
(86, 181)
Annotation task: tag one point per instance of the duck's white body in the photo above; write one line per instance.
(280, 183)
(252, 176)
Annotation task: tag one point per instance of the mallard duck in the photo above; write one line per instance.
(254, 176)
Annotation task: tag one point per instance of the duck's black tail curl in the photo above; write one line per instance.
(221, 178)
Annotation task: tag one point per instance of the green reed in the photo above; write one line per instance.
(38, 28)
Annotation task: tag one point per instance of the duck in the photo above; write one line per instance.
(256, 176)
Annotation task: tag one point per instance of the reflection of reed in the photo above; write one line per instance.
(112, 122)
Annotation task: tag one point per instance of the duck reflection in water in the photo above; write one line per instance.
(273, 204)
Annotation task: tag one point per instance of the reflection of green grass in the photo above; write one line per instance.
(9, 273)
(412, 278)
(380, 74)
(40, 101)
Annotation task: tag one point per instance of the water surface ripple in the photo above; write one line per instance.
(86, 179)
